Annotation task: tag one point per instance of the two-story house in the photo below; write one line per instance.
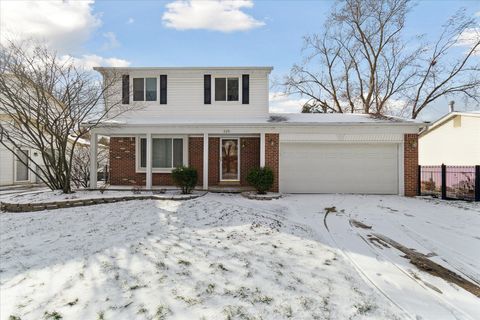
(217, 120)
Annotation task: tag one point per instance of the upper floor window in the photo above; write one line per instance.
(144, 89)
(226, 89)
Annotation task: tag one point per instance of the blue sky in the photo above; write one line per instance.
(138, 33)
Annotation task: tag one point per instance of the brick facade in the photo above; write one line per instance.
(410, 156)
(122, 161)
(213, 161)
(195, 156)
(122, 165)
(272, 155)
(249, 157)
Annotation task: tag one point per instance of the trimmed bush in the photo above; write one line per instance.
(261, 179)
(185, 178)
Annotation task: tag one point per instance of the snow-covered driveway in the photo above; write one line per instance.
(226, 257)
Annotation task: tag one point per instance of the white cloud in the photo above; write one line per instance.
(62, 24)
(281, 103)
(477, 13)
(88, 61)
(217, 15)
(111, 41)
(469, 37)
(130, 20)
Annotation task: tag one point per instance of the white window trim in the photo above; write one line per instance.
(138, 169)
(226, 76)
(157, 86)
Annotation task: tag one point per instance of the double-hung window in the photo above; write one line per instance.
(226, 89)
(167, 153)
(144, 89)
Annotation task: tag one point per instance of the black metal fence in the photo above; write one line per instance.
(450, 182)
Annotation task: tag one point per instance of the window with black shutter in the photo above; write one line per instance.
(163, 89)
(245, 89)
(207, 89)
(125, 89)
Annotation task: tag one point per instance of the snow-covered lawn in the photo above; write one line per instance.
(226, 257)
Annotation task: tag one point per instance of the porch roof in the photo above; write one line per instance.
(270, 119)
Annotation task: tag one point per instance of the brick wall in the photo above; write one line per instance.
(122, 161)
(122, 165)
(195, 156)
(272, 155)
(410, 154)
(249, 157)
(213, 161)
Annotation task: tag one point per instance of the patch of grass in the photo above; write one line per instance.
(188, 300)
(218, 266)
(364, 308)
(160, 265)
(54, 315)
(287, 311)
(142, 310)
(253, 296)
(101, 315)
(72, 303)
(162, 312)
(184, 263)
(12, 317)
(237, 312)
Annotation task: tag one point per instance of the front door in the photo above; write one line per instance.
(229, 167)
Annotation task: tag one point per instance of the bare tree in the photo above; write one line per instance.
(81, 163)
(44, 100)
(361, 62)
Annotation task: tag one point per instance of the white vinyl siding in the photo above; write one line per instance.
(456, 142)
(339, 168)
(185, 95)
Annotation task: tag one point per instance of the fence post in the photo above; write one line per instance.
(477, 183)
(419, 181)
(444, 182)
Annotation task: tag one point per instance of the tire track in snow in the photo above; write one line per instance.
(441, 302)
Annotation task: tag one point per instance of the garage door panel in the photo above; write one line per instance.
(339, 168)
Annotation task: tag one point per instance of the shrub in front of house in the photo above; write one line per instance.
(185, 178)
(261, 179)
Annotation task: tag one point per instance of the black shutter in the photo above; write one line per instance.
(163, 89)
(245, 89)
(125, 89)
(207, 89)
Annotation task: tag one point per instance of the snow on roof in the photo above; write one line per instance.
(270, 119)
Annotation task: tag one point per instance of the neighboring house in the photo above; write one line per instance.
(217, 120)
(12, 170)
(452, 140)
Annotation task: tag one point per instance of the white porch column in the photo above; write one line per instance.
(93, 160)
(205, 161)
(262, 149)
(148, 170)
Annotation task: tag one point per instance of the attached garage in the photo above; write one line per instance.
(319, 167)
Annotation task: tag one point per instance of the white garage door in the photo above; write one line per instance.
(338, 168)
